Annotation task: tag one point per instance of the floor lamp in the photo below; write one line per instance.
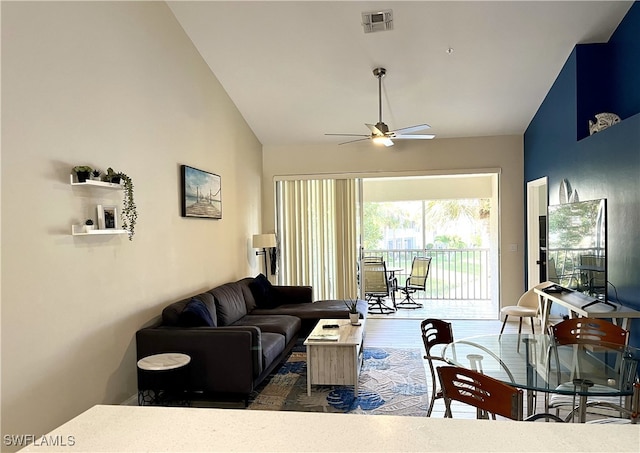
(264, 242)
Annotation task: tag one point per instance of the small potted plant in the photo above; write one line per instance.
(354, 316)
(88, 225)
(95, 175)
(111, 176)
(82, 172)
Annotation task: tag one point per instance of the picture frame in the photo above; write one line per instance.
(201, 195)
(108, 217)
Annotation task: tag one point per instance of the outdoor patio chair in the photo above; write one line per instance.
(376, 287)
(416, 281)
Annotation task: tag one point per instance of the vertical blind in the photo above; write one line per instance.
(316, 221)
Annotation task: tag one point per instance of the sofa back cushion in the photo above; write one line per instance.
(249, 301)
(230, 304)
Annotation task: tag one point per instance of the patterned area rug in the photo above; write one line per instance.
(392, 382)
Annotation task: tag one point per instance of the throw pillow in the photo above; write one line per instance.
(262, 291)
(195, 314)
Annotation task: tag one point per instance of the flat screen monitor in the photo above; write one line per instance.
(577, 246)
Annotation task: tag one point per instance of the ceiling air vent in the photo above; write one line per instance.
(377, 21)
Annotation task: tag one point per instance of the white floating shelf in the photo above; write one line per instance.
(89, 182)
(78, 230)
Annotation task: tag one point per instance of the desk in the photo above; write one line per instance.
(581, 305)
(534, 368)
(154, 428)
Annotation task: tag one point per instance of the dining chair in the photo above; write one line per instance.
(416, 281)
(435, 332)
(488, 395)
(592, 332)
(628, 415)
(376, 287)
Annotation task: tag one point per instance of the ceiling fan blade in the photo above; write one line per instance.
(357, 140)
(374, 129)
(414, 136)
(350, 135)
(409, 130)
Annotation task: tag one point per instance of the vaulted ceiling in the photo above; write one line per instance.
(298, 70)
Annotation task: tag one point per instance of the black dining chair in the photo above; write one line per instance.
(435, 332)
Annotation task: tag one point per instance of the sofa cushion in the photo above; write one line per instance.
(272, 346)
(282, 324)
(328, 309)
(195, 314)
(230, 304)
(262, 290)
(249, 300)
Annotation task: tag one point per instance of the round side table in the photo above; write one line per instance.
(163, 377)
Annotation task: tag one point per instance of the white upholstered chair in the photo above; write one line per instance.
(527, 307)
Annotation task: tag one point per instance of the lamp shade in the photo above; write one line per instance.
(264, 241)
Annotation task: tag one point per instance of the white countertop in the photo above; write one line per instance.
(152, 428)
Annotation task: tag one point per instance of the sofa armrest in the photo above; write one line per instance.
(223, 359)
(292, 294)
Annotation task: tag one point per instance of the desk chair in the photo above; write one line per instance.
(527, 307)
(376, 287)
(488, 395)
(417, 281)
(585, 331)
(435, 332)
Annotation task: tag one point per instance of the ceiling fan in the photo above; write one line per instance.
(380, 133)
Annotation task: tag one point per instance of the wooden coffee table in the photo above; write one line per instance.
(334, 360)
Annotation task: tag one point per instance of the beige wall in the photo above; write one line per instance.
(106, 84)
(428, 157)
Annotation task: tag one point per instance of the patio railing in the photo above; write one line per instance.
(458, 274)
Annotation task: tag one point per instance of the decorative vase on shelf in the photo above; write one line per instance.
(603, 121)
(354, 318)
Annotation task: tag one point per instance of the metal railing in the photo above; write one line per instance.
(457, 274)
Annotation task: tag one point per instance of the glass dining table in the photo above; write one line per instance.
(581, 371)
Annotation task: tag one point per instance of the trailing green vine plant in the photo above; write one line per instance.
(129, 213)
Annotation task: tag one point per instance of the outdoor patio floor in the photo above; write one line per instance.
(445, 309)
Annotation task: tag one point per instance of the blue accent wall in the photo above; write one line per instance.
(598, 78)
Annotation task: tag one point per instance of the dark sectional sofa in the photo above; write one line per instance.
(237, 333)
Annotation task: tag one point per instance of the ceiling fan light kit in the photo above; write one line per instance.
(380, 133)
